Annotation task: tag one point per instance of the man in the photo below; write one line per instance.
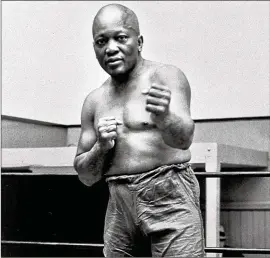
(135, 131)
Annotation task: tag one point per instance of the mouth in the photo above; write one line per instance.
(113, 61)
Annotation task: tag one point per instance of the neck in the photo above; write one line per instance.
(125, 78)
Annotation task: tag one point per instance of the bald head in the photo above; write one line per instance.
(117, 14)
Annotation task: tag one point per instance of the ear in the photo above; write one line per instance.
(140, 43)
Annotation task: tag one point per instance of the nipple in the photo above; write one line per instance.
(145, 123)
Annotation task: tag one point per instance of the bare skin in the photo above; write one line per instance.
(139, 119)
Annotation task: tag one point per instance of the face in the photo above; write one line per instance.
(116, 46)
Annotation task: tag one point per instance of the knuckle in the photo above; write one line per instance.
(103, 136)
(148, 107)
(166, 88)
(165, 102)
(112, 127)
(152, 91)
(106, 136)
(102, 119)
(150, 99)
(112, 135)
(112, 122)
(101, 129)
(167, 95)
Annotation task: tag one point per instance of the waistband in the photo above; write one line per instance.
(144, 175)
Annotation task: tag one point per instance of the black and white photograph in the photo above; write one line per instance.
(135, 129)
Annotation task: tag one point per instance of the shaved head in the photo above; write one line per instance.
(119, 14)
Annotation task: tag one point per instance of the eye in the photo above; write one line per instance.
(122, 38)
(100, 42)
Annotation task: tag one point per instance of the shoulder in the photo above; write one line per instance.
(93, 99)
(170, 75)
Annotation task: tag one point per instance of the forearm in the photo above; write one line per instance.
(177, 131)
(89, 165)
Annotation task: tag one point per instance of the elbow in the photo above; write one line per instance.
(188, 138)
(80, 171)
(189, 134)
(184, 140)
(179, 143)
(84, 180)
(85, 176)
(82, 174)
(184, 145)
(76, 164)
(79, 164)
(88, 178)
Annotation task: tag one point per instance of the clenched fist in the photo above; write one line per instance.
(157, 100)
(107, 132)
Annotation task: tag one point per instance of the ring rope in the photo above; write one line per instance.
(207, 249)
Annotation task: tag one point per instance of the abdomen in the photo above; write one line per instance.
(141, 151)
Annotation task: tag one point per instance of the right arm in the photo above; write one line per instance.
(92, 146)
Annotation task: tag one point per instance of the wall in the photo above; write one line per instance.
(247, 133)
(247, 229)
(49, 64)
(21, 133)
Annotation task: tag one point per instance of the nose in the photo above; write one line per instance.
(112, 47)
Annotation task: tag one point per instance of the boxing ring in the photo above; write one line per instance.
(213, 158)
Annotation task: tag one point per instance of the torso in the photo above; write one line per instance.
(139, 146)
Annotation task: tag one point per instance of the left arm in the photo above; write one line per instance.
(168, 101)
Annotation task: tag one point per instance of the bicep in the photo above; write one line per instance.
(86, 141)
(181, 95)
(87, 137)
(179, 86)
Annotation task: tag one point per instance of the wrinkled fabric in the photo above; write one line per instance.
(154, 214)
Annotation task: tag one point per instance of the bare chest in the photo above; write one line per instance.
(128, 107)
